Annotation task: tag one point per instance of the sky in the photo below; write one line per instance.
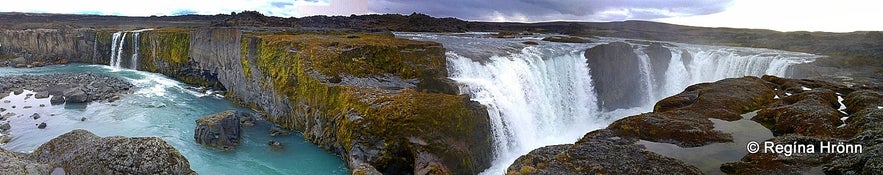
(781, 15)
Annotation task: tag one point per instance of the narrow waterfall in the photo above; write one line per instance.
(136, 40)
(114, 50)
(118, 46)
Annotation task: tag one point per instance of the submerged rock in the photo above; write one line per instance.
(221, 131)
(275, 144)
(277, 131)
(81, 152)
(35, 116)
(42, 125)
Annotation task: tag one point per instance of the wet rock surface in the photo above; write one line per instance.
(81, 152)
(220, 131)
(609, 65)
(598, 152)
(67, 87)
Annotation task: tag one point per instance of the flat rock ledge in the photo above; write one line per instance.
(81, 152)
(220, 131)
(67, 87)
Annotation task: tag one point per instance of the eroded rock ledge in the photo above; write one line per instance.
(81, 152)
(795, 110)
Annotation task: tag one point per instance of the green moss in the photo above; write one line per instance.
(442, 120)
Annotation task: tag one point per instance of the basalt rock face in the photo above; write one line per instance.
(49, 45)
(615, 71)
(373, 99)
(81, 152)
(659, 58)
(221, 130)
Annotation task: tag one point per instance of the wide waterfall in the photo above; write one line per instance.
(118, 46)
(544, 95)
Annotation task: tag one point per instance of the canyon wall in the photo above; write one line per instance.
(379, 102)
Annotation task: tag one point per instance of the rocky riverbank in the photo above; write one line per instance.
(81, 152)
(70, 88)
(793, 110)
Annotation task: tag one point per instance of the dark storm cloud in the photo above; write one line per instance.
(536, 10)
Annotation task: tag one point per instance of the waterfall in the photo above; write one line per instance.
(646, 77)
(114, 50)
(544, 95)
(712, 63)
(118, 46)
(136, 40)
(540, 96)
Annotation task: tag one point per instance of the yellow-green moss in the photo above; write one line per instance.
(442, 120)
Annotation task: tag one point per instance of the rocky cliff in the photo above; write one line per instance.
(49, 45)
(703, 117)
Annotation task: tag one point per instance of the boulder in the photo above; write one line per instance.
(81, 152)
(598, 152)
(75, 95)
(615, 71)
(17, 163)
(55, 100)
(35, 116)
(42, 95)
(221, 130)
(42, 125)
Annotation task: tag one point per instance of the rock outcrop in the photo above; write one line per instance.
(615, 73)
(81, 152)
(18, 163)
(68, 87)
(598, 152)
(50, 46)
(221, 131)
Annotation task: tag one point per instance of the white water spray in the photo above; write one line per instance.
(118, 44)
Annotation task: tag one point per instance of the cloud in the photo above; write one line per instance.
(283, 8)
(535, 10)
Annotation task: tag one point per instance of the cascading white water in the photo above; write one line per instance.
(118, 44)
(647, 80)
(543, 95)
(136, 42)
(114, 50)
(540, 96)
(712, 63)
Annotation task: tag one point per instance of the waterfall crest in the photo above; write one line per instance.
(548, 94)
(118, 46)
